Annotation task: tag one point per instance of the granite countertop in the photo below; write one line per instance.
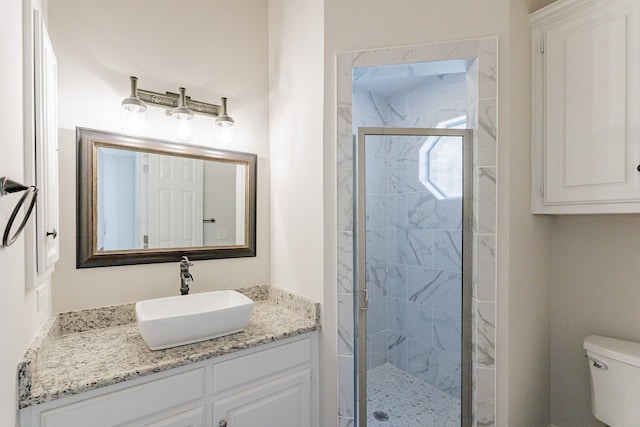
(84, 350)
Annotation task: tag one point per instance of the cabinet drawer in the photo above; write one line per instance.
(260, 365)
(129, 404)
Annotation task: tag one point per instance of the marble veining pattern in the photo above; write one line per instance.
(484, 208)
(436, 288)
(486, 332)
(345, 387)
(397, 351)
(434, 366)
(425, 211)
(376, 111)
(345, 200)
(397, 281)
(344, 152)
(377, 350)
(345, 262)
(376, 277)
(418, 232)
(345, 324)
(447, 248)
(485, 267)
(445, 89)
(485, 395)
(487, 129)
(345, 422)
(69, 357)
(410, 247)
(481, 110)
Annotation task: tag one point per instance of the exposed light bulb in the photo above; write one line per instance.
(133, 113)
(133, 118)
(225, 129)
(225, 134)
(182, 125)
(224, 119)
(182, 117)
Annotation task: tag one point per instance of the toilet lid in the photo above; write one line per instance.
(620, 350)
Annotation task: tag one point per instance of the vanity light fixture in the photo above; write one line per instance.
(133, 115)
(225, 122)
(179, 106)
(182, 117)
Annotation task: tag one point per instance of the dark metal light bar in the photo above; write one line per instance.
(171, 100)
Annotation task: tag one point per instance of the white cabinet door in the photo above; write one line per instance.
(285, 402)
(40, 143)
(132, 406)
(586, 118)
(48, 224)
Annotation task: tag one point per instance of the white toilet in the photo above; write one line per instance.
(615, 380)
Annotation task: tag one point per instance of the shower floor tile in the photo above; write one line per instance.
(408, 401)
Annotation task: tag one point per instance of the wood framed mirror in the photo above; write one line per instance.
(142, 200)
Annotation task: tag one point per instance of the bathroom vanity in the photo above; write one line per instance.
(93, 367)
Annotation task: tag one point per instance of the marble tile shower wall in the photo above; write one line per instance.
(482, 118)
(413, 239)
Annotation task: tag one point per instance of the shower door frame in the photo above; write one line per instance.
(360, 300)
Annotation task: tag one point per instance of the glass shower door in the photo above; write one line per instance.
(413, 241)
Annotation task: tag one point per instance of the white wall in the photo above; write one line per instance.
(594, 290)
(296, 125)
(211, 47)
(295, 85)
(19, 320)
(529, 246)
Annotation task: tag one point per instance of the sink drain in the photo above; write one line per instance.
(380, 415)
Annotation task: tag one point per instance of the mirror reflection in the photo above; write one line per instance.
(143, 200)
(151, 200)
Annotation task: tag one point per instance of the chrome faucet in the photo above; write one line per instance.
(186, 278)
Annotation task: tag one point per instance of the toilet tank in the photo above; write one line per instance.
(615, 380)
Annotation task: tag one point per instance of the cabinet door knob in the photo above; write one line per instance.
(638, 168)
(223, 423)
(53, 233)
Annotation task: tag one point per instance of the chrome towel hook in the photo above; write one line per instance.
(8, 186)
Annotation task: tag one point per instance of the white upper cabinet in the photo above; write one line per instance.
(47, 216)
(586, 107)
(41, 143)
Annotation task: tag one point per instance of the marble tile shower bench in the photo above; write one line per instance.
(84, 350)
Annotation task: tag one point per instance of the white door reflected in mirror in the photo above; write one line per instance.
(149, 200)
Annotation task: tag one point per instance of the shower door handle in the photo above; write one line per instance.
(365, 305)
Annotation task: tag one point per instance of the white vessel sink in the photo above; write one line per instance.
(173, 321)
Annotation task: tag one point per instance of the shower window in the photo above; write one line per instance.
(441, 162)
